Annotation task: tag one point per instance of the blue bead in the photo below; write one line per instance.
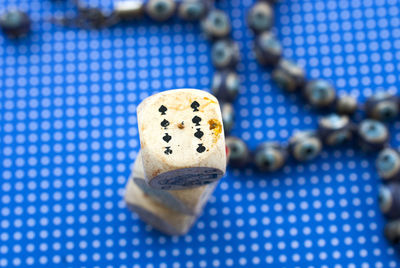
(305, 145)
(388, 164)
(320, 93)
(225, 54)
(372, 135)
(260, 17)
(267, 49)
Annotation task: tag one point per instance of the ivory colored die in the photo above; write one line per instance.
(188, 201)
(153, 213)
(182, 139)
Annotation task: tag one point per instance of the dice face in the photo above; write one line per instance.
(182, 139)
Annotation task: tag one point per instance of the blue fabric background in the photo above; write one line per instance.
(68, 139)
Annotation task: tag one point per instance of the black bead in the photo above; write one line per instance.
(228, 117)
(270, 156)
(305, 145)
(238, 152)
(320, 93)
(193, 9)
(261, 17)
(225, 85)
(382, 106)
(267, 49)
(335, 130)
(372, 135)
(389, 200)
(346, 104)
(288, 75)
(225, 54)
(216, 24)
(388, 164)
(15, 23)
(160, 10)
(392, 231)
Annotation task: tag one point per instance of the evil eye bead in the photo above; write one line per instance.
(392, 231)
(261, 17)
(216, 24)
(225, 85)
(192, 10)
(267, 49)
(372, 135)
(335, 129)
(238, 152)
(15, 23)
(305, 146)
(228, 117)
(320, 93)
(160, 10)
(288, 75)
(225, 54)
(388, 164)
(270, 156)
(389, 200)
(346, 104)
(382, 106)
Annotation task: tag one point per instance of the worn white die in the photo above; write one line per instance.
(188, 201)
(155, 214)
(182, 139)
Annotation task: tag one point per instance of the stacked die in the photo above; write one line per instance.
(182, 158)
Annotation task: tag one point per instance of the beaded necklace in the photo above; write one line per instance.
(371, 134)
(334, 129)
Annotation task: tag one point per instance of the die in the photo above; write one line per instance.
(155, 214)
(182, 139)
(187, 201)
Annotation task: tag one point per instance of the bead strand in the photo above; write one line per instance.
(289, 76)
(371, 135)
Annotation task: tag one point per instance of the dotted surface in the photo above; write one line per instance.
(68, 138)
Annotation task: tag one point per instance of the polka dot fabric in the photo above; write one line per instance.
(68, 138)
